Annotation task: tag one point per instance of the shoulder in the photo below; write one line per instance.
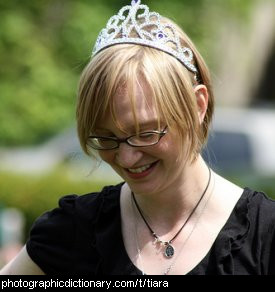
(255, 210)
(60, 236)
(254, 203)
(259, 202)
(248, 237)
(90, 204)
(72, 209)
(261, 207)
(261, 235)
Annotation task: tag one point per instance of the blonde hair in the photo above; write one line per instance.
(171, 84)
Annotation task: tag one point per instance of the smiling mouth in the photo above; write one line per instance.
(141, 169)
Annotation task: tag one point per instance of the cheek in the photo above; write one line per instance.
(166, 149)
(173, 148)
(170, 143)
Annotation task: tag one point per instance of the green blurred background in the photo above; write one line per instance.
(44, 45)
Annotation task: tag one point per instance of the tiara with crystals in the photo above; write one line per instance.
(121, 27)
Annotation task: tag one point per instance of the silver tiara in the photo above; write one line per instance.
(135, 18)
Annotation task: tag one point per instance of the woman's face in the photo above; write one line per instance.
(147, 169)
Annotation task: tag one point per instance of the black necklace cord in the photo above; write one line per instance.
(190, 215)
(141, 214)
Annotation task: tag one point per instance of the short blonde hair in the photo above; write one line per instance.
(171, 84)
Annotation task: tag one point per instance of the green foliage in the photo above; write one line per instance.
(37, 101)
(259, 183)
(45, 44)
(36, 195)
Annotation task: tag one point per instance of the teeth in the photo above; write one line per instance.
(141, 169)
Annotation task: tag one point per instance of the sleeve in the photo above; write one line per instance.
(54, 238)
(271, 250)
(271, 268)
(268, 236)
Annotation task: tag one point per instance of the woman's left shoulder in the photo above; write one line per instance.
(260, 201)
(261, 216)
(261, 209)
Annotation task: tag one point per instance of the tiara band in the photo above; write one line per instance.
(120, 27)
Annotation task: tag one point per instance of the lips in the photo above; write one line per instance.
(142, 171)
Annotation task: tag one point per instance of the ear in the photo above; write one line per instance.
(201, 93)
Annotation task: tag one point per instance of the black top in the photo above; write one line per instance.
(83, 237)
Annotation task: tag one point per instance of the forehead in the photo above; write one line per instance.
(139, 99)
(131, 106)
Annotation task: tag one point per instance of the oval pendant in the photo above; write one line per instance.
(169, 251)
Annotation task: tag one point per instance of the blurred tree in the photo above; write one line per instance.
(45, 44)
(35, 91)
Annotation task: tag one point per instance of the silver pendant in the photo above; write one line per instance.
(169, 251)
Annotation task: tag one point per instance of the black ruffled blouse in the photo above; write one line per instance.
(83, 237)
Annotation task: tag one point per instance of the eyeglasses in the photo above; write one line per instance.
(141, 140)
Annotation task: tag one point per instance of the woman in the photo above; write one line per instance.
(145, 106)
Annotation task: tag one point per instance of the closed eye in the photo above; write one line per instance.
(146, 135)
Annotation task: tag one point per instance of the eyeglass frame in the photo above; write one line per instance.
(126, 140)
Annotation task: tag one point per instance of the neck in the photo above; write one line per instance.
(171, 206)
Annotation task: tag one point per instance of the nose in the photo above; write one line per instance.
(127, 156)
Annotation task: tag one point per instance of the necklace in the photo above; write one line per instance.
(169, 249)
(168, 269)
(136, 237)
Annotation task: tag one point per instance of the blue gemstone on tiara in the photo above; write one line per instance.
(160, 35)
(135, 2)
(135, 24)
